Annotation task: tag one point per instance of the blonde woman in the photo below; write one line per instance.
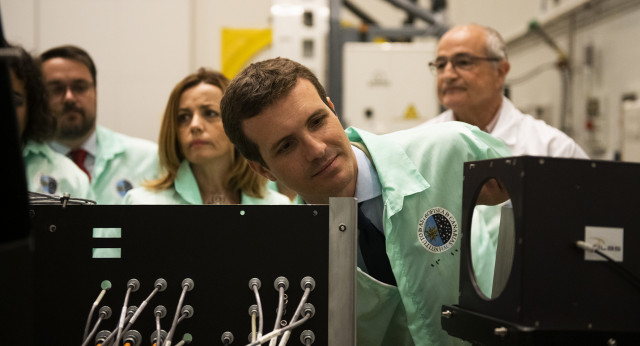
(198, 162)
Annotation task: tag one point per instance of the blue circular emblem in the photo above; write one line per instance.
(48, 184)
(122, 186)
(437, 230)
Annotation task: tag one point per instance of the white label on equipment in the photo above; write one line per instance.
(608, 240)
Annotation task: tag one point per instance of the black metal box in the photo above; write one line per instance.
(554, 287)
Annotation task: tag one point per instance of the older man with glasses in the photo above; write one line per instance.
(471, 66)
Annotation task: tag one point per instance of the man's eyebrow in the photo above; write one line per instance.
(274, 148)
(456, 54)
(58, 81)
(315, 114)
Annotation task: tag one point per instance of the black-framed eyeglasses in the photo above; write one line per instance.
(462, 61)
(77, 88)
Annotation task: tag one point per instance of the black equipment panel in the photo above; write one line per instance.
(553, 294)
(14, 237)
(221, 248)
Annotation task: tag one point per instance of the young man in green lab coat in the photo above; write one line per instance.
(409, 184)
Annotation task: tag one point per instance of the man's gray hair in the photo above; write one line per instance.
(495, 44)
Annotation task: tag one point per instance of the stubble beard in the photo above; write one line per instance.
(77, 129)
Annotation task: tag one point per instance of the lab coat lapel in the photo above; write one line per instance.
(397, 173)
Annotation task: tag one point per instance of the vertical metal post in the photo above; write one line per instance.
(342, 271)
(334, 66)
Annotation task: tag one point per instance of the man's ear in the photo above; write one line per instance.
(333, 108)
(503, 69)
(261, 169)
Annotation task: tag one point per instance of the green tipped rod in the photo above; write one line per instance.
(105, 285)
(186, 339)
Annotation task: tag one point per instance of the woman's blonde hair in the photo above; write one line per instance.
(239, 178)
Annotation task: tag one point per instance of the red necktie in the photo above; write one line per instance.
(78, 156)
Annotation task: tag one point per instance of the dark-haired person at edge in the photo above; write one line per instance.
(46, 171)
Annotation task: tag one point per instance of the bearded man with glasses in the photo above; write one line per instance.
(113, 162)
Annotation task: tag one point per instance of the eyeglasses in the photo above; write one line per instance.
(77, 88)
(462, 61)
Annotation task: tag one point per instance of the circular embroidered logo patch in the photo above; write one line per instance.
(123, 186)
(437, 230)
(48, 184)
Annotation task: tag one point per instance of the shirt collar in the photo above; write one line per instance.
(368, 185)
(90, 145)
(492, 125)
(186, 185)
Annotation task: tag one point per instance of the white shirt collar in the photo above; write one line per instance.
(492, 124)
(368, 185)
(90, 145)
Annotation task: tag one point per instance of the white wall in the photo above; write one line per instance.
(213, 15)
(142, 48)
(610, 27)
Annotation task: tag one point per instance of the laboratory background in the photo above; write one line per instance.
(573, 62)
(546, 258)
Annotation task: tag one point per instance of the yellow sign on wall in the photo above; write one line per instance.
(411, 112)
(239, 45)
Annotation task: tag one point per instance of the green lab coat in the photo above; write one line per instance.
(421, 173)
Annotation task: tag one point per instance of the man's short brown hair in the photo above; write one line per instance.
(257, 87)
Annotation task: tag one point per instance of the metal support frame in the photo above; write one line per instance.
(339, 35)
